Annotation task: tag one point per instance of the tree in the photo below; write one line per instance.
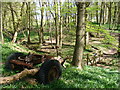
(97, 13)
(80, 32)
(61, 30)
(14, 25)
(56, 24)
(29, 20)
(101, 13)
(1, 29)
(109, 13)
(119, 28)
(41, 37)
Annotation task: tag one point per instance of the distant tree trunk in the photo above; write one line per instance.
(109, 14)
(14, 26)
(119, 28)
(80, 32)
(56, 24)
(29, 23)
(103, 16)
(115, 15)
(101, 13)
(1, 29)
(60, 27)
(86, 33)
(97, 13)
(68, 17)
(91, 16)
(22, 9)
(106, 14)
(41, 24)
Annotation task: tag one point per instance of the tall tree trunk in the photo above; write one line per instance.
(41, 38)
(109, 14)
(60, 25)
(101, 13)
(29, 23)
(119, 28)
(14, 26)
(56, 24)
(97, 13)
(115, 14)
(80, 32)
(1, 29)
(106, 14)
(87, 33)
(103, 16)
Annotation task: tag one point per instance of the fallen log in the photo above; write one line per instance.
(18, 76)
(21, 63)
(26, 72)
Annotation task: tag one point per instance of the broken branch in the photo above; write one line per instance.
(18, 76)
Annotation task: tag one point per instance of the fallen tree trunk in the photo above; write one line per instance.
(25, 72)
(18, 76)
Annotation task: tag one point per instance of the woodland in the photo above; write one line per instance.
(86, 34)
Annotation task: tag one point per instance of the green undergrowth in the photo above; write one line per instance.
(89, 77)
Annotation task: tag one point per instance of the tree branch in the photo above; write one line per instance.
(18, 76)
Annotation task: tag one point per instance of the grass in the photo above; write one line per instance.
(89, 77)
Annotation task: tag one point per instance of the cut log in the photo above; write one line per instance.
(18, 76)
(21, 63)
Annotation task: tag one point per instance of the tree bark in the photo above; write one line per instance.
(103, 16)
(119, 28)
(56, 24)
(87, 33)
(109, 14)
(80, 32)
(29, 23)
(97, 13)
(60, 27)
(1, 29)
(14, 26)
(18, 76)
(41, 38)
(115, 15)
(101, 13)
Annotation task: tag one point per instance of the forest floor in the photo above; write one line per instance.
(104, 75)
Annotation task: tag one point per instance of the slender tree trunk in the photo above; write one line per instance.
(97, 13)
(1, 29)
(119, 28)
(87, 33)
(109, 14)
(68, 17)
(60, 26)
(14, 26)
(103, 16)
(115, 15)
(29, 23)
(80, 32)
(41, 24)
(91, 17)
(106, 14)
(56, 24)
(101, 11)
